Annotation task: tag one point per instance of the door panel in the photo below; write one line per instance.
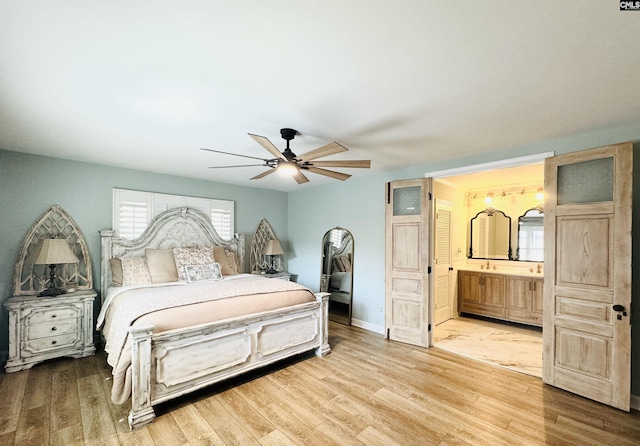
(586, 343)
(407, 259)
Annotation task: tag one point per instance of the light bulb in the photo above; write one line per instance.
(288, 167)
(540, 194)
(489, 198)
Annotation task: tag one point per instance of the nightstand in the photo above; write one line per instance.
(42, 328)
(283, 275)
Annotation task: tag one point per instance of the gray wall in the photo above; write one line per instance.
(30, 185)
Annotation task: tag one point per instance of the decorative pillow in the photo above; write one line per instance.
(198, 273)
(116, 271)
(135, 271)
(191, 256)
(162, 265)
(227, 260)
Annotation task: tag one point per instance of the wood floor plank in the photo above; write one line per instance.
(64, 401)
(12, 390)
(165, 432)
(69, 435)
(97, 423)
(245, 413)
(33, 427)
(190, 421)
(38, 388)
(224, 423)
(294, 429)
(276, 438)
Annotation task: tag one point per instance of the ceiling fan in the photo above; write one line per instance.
(289, 161)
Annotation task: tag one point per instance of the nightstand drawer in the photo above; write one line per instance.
(47, 314)
(52, 343)
(53, 328)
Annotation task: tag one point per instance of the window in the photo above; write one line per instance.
(133, 211)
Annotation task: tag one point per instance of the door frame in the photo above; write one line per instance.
(473, 168)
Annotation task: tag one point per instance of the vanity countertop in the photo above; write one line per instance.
(505, 271)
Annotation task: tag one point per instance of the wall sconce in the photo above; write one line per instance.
(272, 248)
(52, 252)
(540, 194)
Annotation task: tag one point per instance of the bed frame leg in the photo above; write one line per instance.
(324, 325)
(141, 410)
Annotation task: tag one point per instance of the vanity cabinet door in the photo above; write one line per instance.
(524, 300)
(538, 297)
(481, 294)
(493, 290)
(469, 287)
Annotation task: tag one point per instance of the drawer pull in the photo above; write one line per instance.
(53, 316)
(54, 328)
(54, 342)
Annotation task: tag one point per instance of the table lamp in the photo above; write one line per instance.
(52, 252)
(271, 249)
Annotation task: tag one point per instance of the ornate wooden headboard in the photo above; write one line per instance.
(176, 228)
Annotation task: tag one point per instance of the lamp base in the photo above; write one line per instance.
(52, 292)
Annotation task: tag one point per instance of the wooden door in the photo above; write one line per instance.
(587, 213)
(443, 270)
(407, 261)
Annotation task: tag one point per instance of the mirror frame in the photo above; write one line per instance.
(540, 209)
(490, 212)
(323, 274)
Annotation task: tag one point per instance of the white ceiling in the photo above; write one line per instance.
(145, 84)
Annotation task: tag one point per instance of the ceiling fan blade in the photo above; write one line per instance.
(264, 142)
(363, 164)
(235, 154)
(263, 174)
(327, 150)
(300, 177)
(239, 165)
(328, 173)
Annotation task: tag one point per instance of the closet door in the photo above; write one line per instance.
(407, 261)
(587, 284)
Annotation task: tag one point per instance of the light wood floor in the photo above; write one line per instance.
(366, 391)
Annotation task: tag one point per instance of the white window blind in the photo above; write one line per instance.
(134, 210)
(133, 218)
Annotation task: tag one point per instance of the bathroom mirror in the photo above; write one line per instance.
(531, 236)
(490, 235)
(336, 276)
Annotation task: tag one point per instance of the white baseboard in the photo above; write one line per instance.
(635, 402)
(367, 326)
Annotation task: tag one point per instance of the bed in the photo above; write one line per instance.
(165, 338)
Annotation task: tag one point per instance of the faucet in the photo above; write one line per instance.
(487, 264)
(539, 268)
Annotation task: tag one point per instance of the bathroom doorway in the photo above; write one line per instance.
(511, 189)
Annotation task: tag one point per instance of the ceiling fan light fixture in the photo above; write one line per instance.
(287, 167)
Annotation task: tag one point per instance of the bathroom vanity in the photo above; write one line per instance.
(508, 296)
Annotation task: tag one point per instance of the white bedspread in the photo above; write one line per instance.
(149, 298)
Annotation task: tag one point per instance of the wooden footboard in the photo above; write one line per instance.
(172, 363)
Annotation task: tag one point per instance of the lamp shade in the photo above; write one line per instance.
(52, 251)
(272, 248)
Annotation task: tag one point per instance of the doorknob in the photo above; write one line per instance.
(620, 309)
